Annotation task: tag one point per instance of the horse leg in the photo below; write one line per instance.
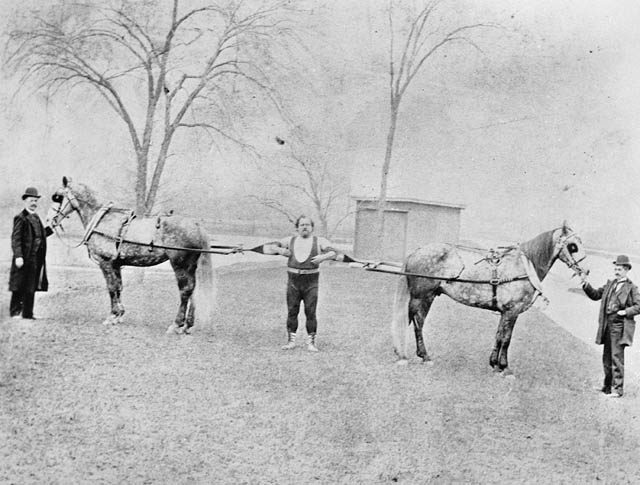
(191, 314)
(113, 276)
(418, 310)
(499, 356)
(185, 275)
(503, 360)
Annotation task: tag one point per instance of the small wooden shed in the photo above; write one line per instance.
(409, 224)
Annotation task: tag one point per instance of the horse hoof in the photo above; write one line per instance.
(110, 320)
(118, 320)
(402, 362)
(174, 329)
(427, 362)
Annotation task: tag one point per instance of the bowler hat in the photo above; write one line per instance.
(623, 260)
(30, 192)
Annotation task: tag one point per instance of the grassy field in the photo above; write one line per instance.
(84, 403)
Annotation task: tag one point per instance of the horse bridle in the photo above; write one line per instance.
(567, 249)
(58, 198)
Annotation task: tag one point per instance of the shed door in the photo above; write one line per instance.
(395, 235)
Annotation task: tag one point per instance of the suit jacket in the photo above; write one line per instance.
(626, 298)
(32, 276)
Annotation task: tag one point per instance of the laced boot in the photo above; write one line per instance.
(291, 341)
(311, 343)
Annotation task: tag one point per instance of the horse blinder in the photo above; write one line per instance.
(573, 248)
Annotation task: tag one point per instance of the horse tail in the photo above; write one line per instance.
(206, 288)
(400, 320)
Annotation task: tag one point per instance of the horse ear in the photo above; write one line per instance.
(565, 227)
(65, 181)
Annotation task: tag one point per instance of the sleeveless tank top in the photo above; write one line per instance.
(306, 264)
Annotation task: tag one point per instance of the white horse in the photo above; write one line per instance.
(117, 237)
(506, 281)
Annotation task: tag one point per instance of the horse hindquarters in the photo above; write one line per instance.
(196, 283)
(184, 266)
(411, 305)
(419, 307)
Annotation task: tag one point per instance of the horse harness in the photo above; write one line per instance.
(129, 215)
(494, 258)
(120, 237)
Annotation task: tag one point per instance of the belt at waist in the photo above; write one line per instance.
(303, 271)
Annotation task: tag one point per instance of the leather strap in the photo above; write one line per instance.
(303, 271)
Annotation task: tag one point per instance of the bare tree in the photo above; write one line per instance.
(425, 36)
(154, 64)
(307, 181)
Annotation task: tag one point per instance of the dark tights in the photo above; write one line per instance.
(302, 288)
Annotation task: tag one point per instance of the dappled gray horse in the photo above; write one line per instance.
(506, 281)
(118, 237)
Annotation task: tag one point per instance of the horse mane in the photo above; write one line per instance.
(86, 195)
(87, 200)
(539, 251)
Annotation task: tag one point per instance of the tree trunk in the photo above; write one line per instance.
(157, 173)
(324, 227)
(141, 183)
(321, 217)
(382, 197)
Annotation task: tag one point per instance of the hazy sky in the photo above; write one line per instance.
(539, 127)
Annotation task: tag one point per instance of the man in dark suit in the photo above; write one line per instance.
(620, 303)
(29, 246)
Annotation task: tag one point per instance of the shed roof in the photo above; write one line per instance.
(411, 200)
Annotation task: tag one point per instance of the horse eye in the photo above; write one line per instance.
(572, 248)
(57, 198)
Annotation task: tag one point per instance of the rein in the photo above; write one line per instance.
(495, 282)
(151, 245)
(374, 266)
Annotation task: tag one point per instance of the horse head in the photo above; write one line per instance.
(569, 248)
(68, 199)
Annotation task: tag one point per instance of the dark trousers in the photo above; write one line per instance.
(22, 303)
(613, 354)
(302, 288)
(23, 298)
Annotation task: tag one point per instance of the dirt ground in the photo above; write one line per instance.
(84, 403)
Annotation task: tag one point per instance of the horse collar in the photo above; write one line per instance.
(95, 220)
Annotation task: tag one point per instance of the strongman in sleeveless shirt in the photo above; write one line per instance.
(305, 253)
